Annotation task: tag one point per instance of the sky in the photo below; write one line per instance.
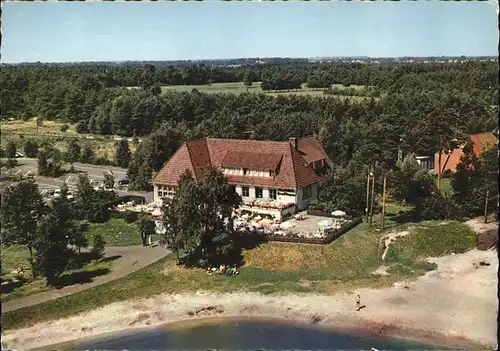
(174, 30)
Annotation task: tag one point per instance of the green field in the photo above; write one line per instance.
(16, 256)
(238, 88)
(344, 265)
(116, 232)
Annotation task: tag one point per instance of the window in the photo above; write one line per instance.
(271, 173)
(306, 193)
(258, 193)
(272, 194)
(169, 191)
(245, 171)
(245, 191)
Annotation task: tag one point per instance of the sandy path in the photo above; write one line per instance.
(457, 300)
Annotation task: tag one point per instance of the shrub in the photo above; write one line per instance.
(31, 148)
(64, 128)
(439, 206)
(98, 244)
(131, 217)
(82, 127)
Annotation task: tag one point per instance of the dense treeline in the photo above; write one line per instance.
(63, 92)
(419, 108)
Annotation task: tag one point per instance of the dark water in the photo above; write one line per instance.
(237, 334)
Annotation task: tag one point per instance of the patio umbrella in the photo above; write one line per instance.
(286, 225)
(266, 222)
(256, 224)
(325, 223)
(338, 213)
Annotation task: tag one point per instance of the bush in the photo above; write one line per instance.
(82, 127)
(64, 128)
(31, 148)
(131, 217)
(98, 244)
(439, 206)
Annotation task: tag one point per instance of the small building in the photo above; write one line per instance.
(272, 177)
(449, 162)
(426, 162)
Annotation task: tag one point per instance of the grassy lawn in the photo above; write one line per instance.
(29, 127)
(343, 265)
(239, 87)
(117, 232)
(16, 256)
(446, 187)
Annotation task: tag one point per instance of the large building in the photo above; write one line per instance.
(267, 174)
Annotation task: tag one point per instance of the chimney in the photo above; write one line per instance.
(295, 143)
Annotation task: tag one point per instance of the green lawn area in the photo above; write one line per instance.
(117, 232)
(343, 265)
(16, 256)
(446, 187)
(239, 87)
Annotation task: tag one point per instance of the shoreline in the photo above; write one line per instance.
(351, 327)
(455, 303)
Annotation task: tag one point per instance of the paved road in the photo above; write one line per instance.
(29, 167)
(132, 259)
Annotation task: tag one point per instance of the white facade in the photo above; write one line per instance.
(300, 197)
(305, 195)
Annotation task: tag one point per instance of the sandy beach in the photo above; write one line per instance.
(455, 302)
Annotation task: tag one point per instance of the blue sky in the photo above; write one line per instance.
(115, 31)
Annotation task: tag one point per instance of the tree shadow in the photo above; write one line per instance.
(79, 278)
(242, 241)
(110, 258)
(402, 217)
(82, 259)
(12, 285)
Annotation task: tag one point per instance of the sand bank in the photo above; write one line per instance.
(457, 300)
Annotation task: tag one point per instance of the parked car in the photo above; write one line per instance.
(123, 181)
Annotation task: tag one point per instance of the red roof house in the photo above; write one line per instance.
(269, 170)
(481, 142)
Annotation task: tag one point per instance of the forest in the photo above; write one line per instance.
(409, 107)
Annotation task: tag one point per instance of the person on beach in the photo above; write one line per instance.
(358, 302)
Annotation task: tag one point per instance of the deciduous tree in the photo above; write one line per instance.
(22, 207)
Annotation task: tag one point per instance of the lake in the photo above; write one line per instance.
(243, 334)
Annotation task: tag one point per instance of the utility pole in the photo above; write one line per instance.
(367, 194)
(486, 206)
(373, 196)
(384, 193)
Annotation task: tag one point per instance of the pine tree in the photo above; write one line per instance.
(123, 154)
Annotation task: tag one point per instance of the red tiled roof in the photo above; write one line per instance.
(482, 141)
(251, 160)
(292, 170)
(312, 150)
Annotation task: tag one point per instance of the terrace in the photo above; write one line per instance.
(302, 227)
(268, 207)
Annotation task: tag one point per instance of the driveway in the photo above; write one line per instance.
(132, 259)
